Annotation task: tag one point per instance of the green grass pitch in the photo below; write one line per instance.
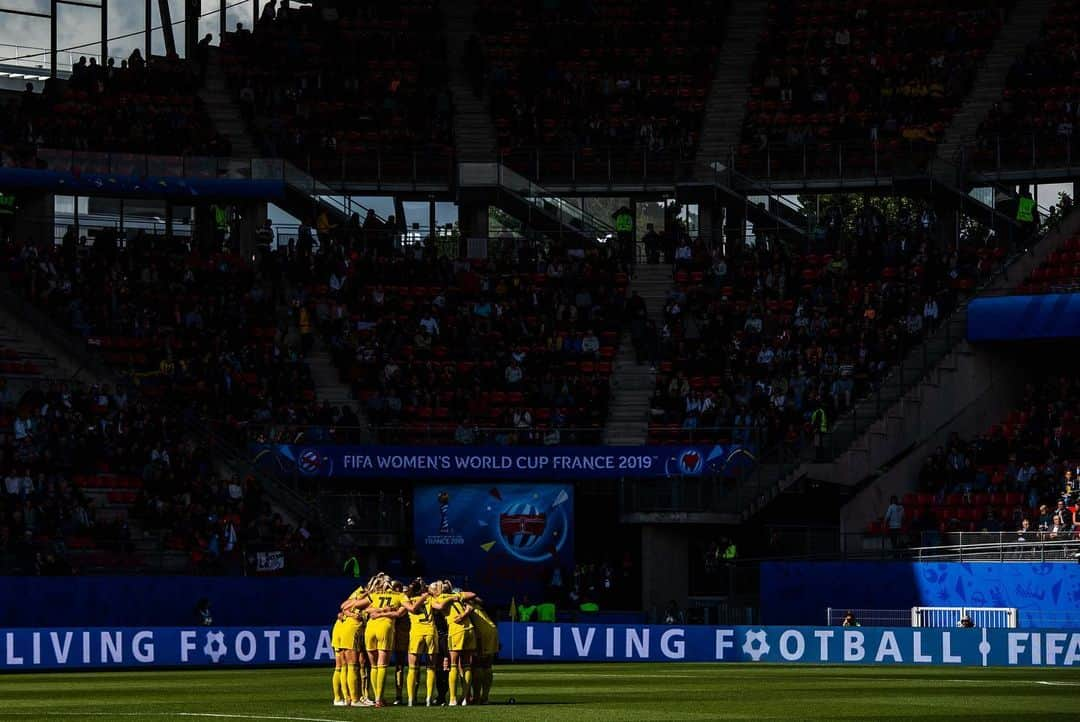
(553, 692)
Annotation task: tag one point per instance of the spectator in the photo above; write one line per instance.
(894, 517)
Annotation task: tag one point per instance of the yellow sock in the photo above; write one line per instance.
(410, 684)
(453, 684)
(489, 674)
(353, 681)
(365, 679)
(335, 685)
(430, 683)
(468, 683)
(380, 682)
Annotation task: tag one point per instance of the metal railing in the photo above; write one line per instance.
(31, 57)
(998, 547)
(601, 167)
(448, 433)
(1021, 153)
(833, 161)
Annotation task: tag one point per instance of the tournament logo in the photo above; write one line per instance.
(522, 525)
(532, 529)
(444, 513)
(446, 536)
(309, 463)
(691, 462)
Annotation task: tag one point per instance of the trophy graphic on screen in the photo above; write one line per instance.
(444, 511)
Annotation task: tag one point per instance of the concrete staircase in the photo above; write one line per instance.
(474, 131)
(1021, 28)
(632, 384)
(224, 112)
(328, 384)
(726, 106)
(29, 333)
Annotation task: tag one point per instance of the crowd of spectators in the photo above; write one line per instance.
(511, 350)
(188, 323)
(335, 83)
(626, 74)
(136, 107)
(1035, 117)
(1019, 476)
(202, 340)
(765, 346)
(863, 73)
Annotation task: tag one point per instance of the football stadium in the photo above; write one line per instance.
(552, 359)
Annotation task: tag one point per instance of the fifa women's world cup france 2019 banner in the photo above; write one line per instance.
(552, 463)
(502, 539)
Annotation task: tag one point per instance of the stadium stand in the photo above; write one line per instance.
(359, 87)
(882, 80)
(1032, 125)
(626, 75)
(756, 341)
(139, 107)
(1059, 273)
(1017, 471)
(188, 323)
(522, 344)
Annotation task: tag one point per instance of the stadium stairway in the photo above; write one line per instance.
(632, 383)
(1021, 28)
(942, 386)
(30, 335)
(474, 131)
(304, 196)
(330, 388)
(726, 105)
(223, 111)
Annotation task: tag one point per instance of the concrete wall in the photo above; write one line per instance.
(664, 565)
(985, 387)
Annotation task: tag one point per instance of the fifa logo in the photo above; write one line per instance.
(444, 512)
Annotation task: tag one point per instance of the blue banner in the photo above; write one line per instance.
(209, 647)
(806, 645)
(1046, 594)
(1024, 318)
(133, 186)
(503, 462)
(98, 647)
(503, 540)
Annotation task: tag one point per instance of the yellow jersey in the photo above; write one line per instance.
(385, 600)
(420, 620)
(357, 615)
(452, 609)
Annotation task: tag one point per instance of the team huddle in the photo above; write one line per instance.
(443, 629)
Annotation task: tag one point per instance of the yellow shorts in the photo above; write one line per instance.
(346, 635)
(379, 636)
(463, 640)
(487, 640)
(424, 643)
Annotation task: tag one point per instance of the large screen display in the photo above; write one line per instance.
(501, 540)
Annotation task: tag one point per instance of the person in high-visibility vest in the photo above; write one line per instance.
(1025, 210)
(526, 610)
(545, 612)
(624, 233)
